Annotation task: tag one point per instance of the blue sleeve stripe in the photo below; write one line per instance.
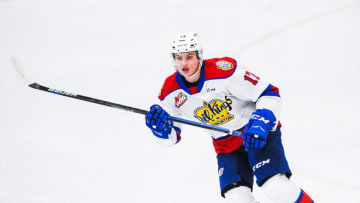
(271, 91)
(275, 94)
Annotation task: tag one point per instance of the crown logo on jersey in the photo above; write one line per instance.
(224, 65)
(215, 112)
(180, 99)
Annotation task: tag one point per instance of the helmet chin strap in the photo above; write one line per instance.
(196, 72)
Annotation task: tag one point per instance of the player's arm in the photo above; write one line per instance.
(157, 120)
(268, 105)
(248, 86)
(270, 100)
(265, 118)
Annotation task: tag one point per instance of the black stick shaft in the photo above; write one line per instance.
(122, 107)
(88, 99)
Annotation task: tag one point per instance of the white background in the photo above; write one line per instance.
(56, 149)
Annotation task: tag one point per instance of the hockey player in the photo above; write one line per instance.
(218, 92)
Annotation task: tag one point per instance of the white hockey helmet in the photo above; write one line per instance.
(187, 42)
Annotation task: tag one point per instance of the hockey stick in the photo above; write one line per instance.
(19, 69)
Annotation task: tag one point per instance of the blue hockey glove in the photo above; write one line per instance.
(157, 120)
(256, 131)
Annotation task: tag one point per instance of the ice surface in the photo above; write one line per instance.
(55, 149)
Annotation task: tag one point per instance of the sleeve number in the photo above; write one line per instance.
(251, 78)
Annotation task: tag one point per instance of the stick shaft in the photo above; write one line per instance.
(123, 107)
(85, 98)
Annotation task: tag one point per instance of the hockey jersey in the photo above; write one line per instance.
(226, 96)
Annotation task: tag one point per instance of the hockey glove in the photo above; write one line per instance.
(256, 131)
(157, 120)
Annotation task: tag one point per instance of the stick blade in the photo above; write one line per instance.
(19, 68)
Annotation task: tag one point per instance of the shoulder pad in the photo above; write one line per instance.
(217, 68)
(169, 86)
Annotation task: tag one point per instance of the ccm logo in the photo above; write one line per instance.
(257, 117)
(260, 164)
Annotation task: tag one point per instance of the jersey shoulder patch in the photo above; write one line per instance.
(169, 86)
(218, 68)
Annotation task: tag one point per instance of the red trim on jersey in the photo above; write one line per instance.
(178, 136)
(304, 198)
(193, 90)
(274, 89)
(227, 144)
(213, 72)
(169, 86)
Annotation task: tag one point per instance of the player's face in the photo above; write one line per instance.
(187, 63)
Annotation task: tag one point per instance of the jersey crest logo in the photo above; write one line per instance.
(215, 112)
(180, 99)
(224, 65)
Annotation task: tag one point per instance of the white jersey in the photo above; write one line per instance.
(225, 96)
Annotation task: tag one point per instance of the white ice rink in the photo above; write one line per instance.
(55, 149)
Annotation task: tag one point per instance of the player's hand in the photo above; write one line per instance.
(257, 130)
(157, 120)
